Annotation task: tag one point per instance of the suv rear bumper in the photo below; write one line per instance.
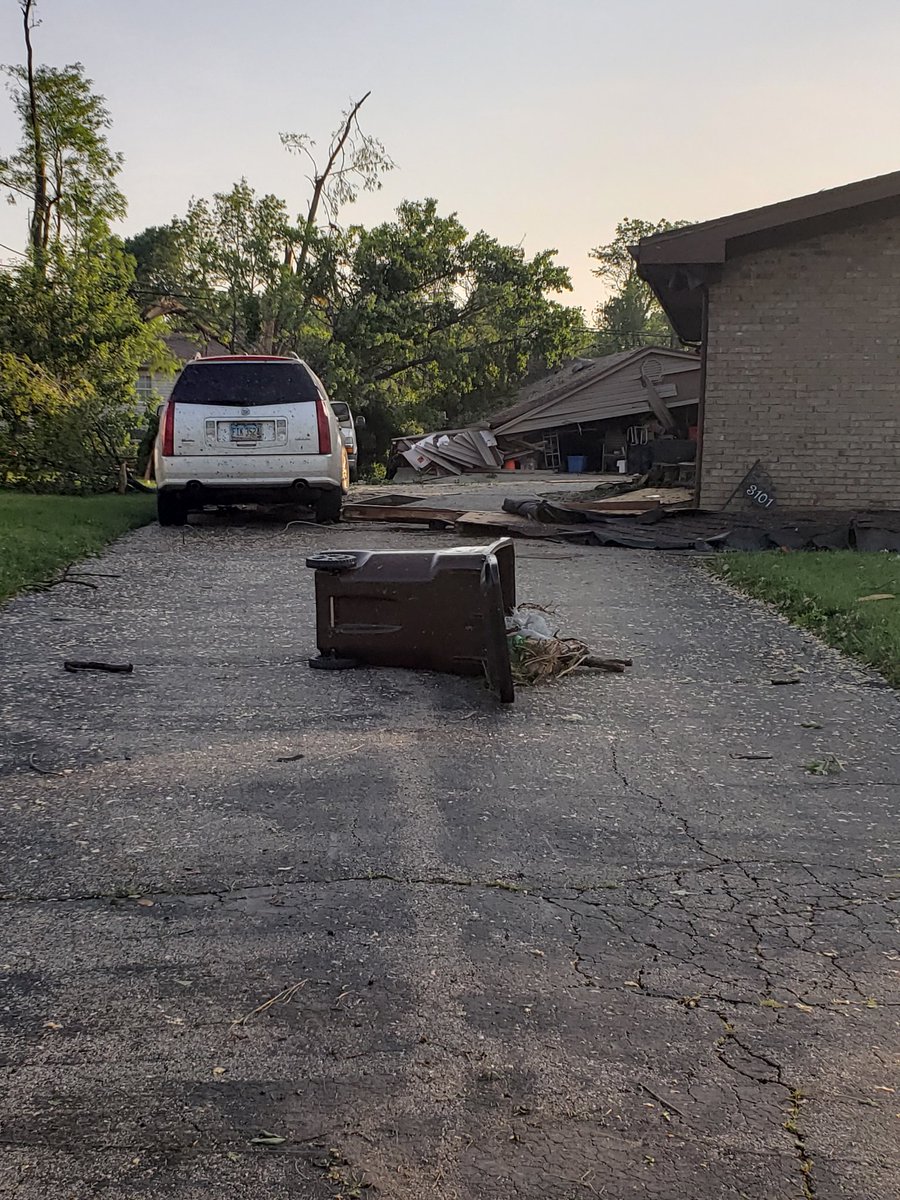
(275, 478)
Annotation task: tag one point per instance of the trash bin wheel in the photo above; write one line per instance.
(331, 561)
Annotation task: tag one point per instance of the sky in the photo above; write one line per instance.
(542, 123)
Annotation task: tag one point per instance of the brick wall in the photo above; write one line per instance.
(803, 372)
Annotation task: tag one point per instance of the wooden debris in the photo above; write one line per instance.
(401, 515)
(390, 500)
(512, 524)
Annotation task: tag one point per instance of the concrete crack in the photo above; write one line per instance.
(796, 1098)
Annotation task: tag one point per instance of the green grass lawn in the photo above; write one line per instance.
(822, 591)
(41, 534)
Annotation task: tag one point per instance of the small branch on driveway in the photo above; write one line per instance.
(283, 997)
(81, 578)
(114, 668)
(40, 770)
(52, 583)
(665, 1105)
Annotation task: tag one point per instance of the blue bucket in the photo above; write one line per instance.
(577, 464)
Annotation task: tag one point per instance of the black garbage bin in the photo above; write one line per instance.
(441, 610)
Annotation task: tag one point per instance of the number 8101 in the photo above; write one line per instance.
(759, 496)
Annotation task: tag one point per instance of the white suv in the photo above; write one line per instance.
(249, 429)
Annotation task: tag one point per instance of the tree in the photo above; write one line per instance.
(64, 145)
(71, 335)
(429, 324)
(224, 268)
(239, 267)
(416, 320)
(33, 126)
(355, 161)
(71, 343)
(632, 316)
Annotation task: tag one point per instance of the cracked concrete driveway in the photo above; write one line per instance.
(578, 948)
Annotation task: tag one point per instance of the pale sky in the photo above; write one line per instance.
(541, 123)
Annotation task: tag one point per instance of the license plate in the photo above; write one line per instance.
(246, 431)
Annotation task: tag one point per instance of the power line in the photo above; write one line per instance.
(12, 250)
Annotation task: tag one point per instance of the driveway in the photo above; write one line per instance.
(611, 942)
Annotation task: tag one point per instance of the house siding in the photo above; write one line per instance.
(151, 386)
(803, 372)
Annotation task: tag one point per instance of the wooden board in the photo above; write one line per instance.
(396, 515)
(612, 507)
(512, 524)
(382, 500)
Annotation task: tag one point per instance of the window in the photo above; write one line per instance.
(245, 384)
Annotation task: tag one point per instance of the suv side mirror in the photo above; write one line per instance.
(360, 421)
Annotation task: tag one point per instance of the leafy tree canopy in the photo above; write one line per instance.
(72, 337)
(81, 168)
(631, 316)
(416, 320)
(71, 343)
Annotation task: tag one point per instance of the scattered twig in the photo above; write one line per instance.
(283, 997)
(52, 583)
(754, 757)
(314, 524)
(608, 664)
(113, 668)
(290, 758)
(80, 578)
(666, 1105)
(35, 767)
(93, 575)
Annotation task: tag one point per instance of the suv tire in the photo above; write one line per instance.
(328, 507)
(170, 508)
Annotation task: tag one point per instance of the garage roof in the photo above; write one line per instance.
(598, 389)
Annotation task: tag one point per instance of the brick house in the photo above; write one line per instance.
(796, 307)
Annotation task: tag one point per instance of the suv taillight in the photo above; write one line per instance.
(168, 443)
(324, 427)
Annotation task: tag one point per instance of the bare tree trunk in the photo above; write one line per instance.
(39, 215)
(319, 185)
(267, 337)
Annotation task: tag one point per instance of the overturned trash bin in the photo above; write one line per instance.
(428, 610)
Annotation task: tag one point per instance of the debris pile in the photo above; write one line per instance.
(537, 654)
(451, 453)
(648, 520)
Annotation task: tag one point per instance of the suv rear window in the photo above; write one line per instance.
(244, 385)
(341, 411)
